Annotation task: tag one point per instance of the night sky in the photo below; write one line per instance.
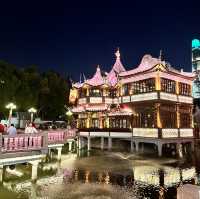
(75, 37)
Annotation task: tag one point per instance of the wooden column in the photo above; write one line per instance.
(88, 120)
(158, 82)
(87, 91)
(191, 117)
(177, 87)
(177, 116)
(78, 123)
(158, 120)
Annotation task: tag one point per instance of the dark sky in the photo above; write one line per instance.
(75, 36)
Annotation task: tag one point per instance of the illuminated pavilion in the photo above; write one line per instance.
(151, 103)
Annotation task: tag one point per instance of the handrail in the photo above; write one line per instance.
(35, 141)
(23, 142)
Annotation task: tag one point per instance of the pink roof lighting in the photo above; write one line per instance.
(116, 69)
(78, 85)
(78, 109)
(147, 63)
(99, 107)
(97, 79)
(112, 78)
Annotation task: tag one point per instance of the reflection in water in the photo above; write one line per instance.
(128, 173)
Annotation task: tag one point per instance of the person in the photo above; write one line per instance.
(5, 128)
(30, 129)
(1, 128)
(12, 130)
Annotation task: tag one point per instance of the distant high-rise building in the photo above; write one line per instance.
(196, 67)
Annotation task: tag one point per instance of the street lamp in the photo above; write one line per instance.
(69, 113)
(32, 111)
(10, 106)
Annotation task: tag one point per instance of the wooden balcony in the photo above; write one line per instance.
(106, 129)
(95, 100)
(164, 133)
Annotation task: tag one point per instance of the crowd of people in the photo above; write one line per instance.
(12, 131)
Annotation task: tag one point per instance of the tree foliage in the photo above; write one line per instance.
(48, 92)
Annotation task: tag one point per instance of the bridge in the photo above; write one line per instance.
(31, 148)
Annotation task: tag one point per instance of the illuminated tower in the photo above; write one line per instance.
(196, 67)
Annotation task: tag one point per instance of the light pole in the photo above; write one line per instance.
(10, 106)
(32, 111)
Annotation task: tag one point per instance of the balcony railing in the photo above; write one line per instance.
(106, 129)
(163, 133)
(95, 100)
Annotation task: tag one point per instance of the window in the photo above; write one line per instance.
(113, 93)
(168, 86)
(125, 89)
(143, 86)
(184, 89)
(185, 117)
(168, 116)
(83, 92)
(95, 123)
(119, 123)
(95, 92)
(82, 123)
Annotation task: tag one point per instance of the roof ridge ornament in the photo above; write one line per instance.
(117, 53)
(161, 55)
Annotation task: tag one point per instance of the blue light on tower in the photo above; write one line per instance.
(195, 43)
(196, 67)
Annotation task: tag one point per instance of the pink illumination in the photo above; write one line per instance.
(138, 77)
(97, 79)
(116, 69)
(100, 107)
(78, 109)
(112, 78)
(21, 142)
(147, 63)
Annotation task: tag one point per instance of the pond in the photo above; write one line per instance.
(101, 175)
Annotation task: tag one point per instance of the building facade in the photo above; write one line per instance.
(196, 68)
(151, 103)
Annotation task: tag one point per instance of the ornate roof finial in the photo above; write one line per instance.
(161, 55)
(117, 54)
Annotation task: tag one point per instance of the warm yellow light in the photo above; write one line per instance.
(177, 87)
(158, 86)
(11, 106)
(69, 113)
(32, 110)
(159, 124)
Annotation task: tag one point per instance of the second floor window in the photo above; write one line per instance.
(168, 85)
(95, 93)
(125, 89)
(184, 89)
(143, 86)
(83, 92)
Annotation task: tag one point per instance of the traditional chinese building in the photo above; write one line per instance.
(151, 103)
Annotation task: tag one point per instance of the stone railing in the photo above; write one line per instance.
(60, 136)
(34, 142)
(145, 132)
(169, 133)
(23, 142)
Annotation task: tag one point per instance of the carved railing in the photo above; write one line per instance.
(34, 142)
(23, 142)
(60, 136)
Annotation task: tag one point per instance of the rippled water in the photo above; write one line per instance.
(103, 175)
